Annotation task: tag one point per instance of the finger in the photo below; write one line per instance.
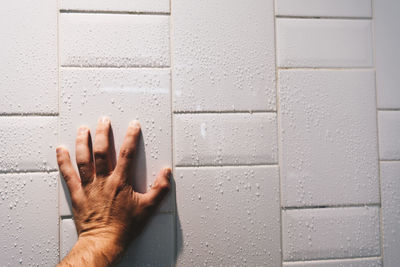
(128, 150)
(84, 155)
(159, 189)
(68, 172)
(103, 148)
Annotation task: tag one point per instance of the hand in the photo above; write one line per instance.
(108, 213)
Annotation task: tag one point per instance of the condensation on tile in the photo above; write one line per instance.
(123, 95)
(389, 132)
(28, 81)
(228, 216)
(68, 236)
(114, 40)
(29, 219)
(28, 143)
(223, 55)
(361, 262)
(220, 139)
(116, 5)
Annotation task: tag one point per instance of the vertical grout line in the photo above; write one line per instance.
(278, 136)
(377, 130)
(58, 126)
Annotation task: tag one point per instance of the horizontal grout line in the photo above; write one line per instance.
(334, 259)
(115, 67)
(29, 171)
(225, 112)
(389, 160)
(326, 68)
(33, 114)
(388, 109)
(331, 206)
(228, 165)
(82, 11)
(322, 17)
(64, 217)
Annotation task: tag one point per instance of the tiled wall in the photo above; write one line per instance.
(280, 119)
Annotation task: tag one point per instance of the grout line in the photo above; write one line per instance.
(327, 68)
(113, 12)
(388, 109)
(228, 165)
(31, 114)
(29, 171)
(278, 135)
(334, 260)
(224, 112)
(389, 160)
(332, 206)
(322, 17)
(114, 66)
(58, 129)
(63, 217)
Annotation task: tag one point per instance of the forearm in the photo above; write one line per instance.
(93, 252)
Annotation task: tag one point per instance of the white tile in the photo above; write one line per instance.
(324, 8)
(28, 143)
(29, 219)
(68, 236)
(324, 43)
(390, 175)
(154, 247)
(389, 132)
(387, 42)
(28, 82)
(361, 262)
(328, 137)
(121, 40)
(223, 55)
(221, 139)
(123, 95)
(330, 233)
(228, 216)
(116, 5)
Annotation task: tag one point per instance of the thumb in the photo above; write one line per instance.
(159, 189)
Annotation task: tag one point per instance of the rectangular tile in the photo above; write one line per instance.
(223, 60)
(390, 175)
(225, 139)
(330, 233)
(387, 42)
(28, 55)
(329, 137)
(228, 216)
(116, 5)
(28, 143)
(120, 40)
(324, 43)
(389, 132)
(361, 262)
(123, 95)
(154, 247)
(29, 220)
(324, 8)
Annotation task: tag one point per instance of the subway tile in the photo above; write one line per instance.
(123, 95)
(228, 216)
(387, 42)
(154, 247)
(116, 5)
(223, 55)
(330, 233)
(328, 137)
(68, 236)
(324, 8)
(29, 219)
(120, 40)
(225, 139)
(28, 82)
(390, 175)
(28, 143)
(324, 43)
(360, 262)
(389, 132)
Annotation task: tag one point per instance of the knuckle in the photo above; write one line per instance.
(127, 153)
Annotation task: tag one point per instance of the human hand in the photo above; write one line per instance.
(108, 213)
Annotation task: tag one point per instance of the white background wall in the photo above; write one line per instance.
(280, 119)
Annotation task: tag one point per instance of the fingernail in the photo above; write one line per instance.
(104, 119)
(135, 124)
(167, 172)
(82, 129)
(58, 150)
